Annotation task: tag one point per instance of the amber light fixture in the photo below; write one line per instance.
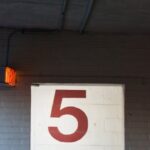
(9, 76)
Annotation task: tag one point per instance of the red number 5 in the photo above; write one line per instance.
(76, 112)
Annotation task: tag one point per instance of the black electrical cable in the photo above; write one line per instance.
(8, 46)
(16, 31)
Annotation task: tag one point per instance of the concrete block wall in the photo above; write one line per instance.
(71, 57)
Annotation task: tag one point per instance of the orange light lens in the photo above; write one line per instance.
(10, 76)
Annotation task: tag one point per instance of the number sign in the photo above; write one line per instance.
(77, 113)
(77, 116)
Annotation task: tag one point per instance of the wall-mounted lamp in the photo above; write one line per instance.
(8, 76)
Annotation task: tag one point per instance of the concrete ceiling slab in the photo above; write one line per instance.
(108, 16)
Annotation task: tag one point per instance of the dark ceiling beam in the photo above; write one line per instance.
(63, 13)
(87, 15)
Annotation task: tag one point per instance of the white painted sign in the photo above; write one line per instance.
(77, 117)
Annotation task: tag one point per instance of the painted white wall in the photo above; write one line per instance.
(103, 106)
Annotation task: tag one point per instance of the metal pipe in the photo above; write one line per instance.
(87, 15)
(63, 13)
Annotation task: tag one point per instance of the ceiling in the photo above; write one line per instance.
(104, 16)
